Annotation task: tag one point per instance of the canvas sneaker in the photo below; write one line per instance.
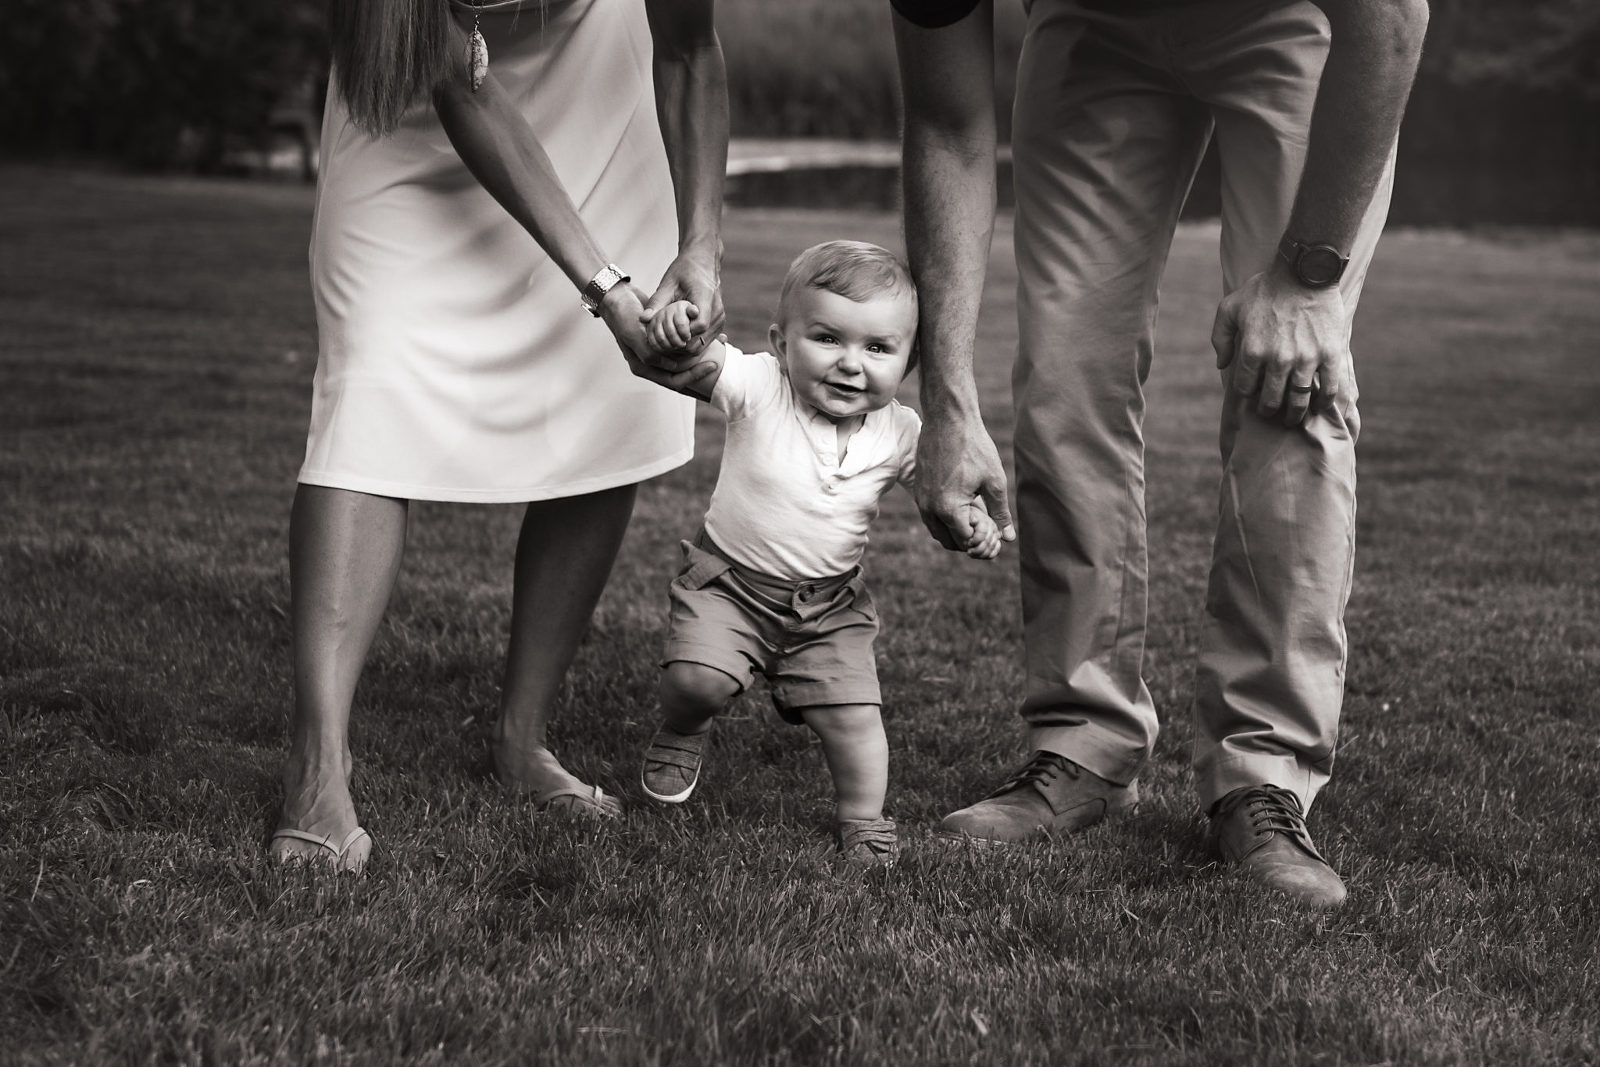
(672, 765)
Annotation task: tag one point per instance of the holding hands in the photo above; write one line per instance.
(671, 329)
(676, 367)
(961, 487)
(984, 540)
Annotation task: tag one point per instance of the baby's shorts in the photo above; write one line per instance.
(811, 640)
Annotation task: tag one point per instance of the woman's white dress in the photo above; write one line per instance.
(455, 361)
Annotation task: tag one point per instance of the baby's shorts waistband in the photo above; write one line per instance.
(780, 588)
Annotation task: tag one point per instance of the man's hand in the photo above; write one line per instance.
(961, 486)
(1289, 347)
(692, 277)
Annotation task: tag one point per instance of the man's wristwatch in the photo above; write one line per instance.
(609, 278)
(1317, 266)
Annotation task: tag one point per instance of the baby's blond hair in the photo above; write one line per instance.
(854, 270)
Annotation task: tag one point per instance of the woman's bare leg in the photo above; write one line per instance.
(344, 553)
(564, 556)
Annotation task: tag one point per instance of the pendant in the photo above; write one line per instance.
(480, 58)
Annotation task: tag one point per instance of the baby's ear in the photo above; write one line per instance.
(775, 339)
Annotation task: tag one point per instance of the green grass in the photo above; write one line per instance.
(156, 351)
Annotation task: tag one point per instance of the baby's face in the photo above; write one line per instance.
(844, 357)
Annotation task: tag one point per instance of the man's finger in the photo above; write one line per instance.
(1224, 335)
(1297, 397)
(1273, 387)
(1331, 383)
(666, 294)
(940, 532)
(999, 509)
(1246, 374)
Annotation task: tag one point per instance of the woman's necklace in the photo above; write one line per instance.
(478, 48)
(479, 53)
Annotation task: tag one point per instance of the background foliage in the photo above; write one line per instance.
(1504, 124)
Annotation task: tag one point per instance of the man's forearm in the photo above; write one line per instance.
(1371, 63)
(948, 146)
(949, 210)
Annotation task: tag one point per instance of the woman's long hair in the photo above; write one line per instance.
(386, 54)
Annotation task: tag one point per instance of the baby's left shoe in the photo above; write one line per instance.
(672, 765)
(868, 842)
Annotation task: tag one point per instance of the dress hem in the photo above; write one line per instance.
(402, 491)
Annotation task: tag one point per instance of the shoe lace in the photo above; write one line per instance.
(1270, 809)
(1042, 770)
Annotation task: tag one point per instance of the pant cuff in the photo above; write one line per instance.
(1285, 771)
(1096, 749)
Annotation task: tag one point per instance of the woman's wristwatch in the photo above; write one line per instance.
(609, 278)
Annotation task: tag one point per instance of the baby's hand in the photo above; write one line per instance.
(985, 540)
(668, 329)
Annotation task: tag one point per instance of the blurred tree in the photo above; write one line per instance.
(152, 82)
(1532, 44)
(1504, 123)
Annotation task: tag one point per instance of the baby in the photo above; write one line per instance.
(772, 584)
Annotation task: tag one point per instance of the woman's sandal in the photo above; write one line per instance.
(345, 856)
(578, 800)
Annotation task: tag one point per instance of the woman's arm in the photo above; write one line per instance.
(502, 151)
(505, 155)
(692, 108)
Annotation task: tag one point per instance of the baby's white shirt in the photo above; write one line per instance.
(785, 504)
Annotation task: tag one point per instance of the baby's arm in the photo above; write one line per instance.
(667, 331)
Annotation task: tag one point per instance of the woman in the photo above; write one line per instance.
(482, 167)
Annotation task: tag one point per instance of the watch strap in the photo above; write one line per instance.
(609, 277)
(1296, 253)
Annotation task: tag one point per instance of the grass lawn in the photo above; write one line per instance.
(156, 352)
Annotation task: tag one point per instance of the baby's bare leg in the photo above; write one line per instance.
(858, 756)
(692, 694)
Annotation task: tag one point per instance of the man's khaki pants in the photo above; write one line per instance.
(1113, 112)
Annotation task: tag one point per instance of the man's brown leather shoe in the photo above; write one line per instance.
(1051, 793)
(1262, 829)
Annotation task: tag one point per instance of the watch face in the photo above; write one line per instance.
(1320, 265)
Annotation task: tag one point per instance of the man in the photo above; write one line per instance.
(1116, 100)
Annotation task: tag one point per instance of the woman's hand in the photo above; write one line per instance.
(623, 313)
(693, 276)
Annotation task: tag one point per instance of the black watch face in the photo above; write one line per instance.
(1320, 265)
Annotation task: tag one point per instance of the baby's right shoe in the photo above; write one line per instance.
(868, 842)
(672, 765)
